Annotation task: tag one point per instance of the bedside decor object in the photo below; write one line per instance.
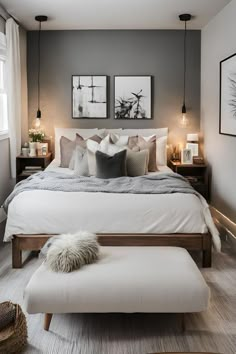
(133, 97)
(89, 96)
(25, 151)
(68, 252)
(198, 160)
(227, 124)
(39, 19)
(36, 136)
(186, 156)
(175, 156)
(192, 143)
(184, 120)
(13, 337)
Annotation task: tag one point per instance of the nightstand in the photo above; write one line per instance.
(26, 165)
(197, 175)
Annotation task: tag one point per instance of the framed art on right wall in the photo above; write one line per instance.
(227, 122)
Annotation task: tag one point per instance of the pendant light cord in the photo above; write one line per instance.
(185, 37)
(39, 55)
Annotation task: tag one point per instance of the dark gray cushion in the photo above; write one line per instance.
(111, 166)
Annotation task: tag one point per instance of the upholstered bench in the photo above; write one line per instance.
(125, 279)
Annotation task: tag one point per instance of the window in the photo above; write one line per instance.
(3, 93)
(3, 99)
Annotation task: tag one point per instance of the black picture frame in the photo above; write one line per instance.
(106, 93)
(150, 77)
(222, 99)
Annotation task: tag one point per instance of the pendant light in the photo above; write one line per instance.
(39, 19)
(185, 18)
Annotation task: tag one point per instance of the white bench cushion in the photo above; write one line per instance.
(125, 279)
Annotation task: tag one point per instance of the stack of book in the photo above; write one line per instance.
(30, 170)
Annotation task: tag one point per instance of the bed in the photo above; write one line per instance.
(118, 219)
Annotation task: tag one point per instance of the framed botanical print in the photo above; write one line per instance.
(133, 97)
(89, 96)
(227, 123)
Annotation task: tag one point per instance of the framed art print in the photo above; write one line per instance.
(227, 122)
(133, 97)
(89, 96)
(186, 157)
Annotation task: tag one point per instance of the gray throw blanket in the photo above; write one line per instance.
(162, 183)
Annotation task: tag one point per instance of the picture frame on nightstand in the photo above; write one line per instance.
(186, 156)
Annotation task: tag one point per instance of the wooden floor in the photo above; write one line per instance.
(213, 331)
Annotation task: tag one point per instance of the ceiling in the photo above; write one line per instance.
(113, 14)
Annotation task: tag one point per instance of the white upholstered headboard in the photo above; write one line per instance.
(86, 133)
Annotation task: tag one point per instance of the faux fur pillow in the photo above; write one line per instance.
(69, 252)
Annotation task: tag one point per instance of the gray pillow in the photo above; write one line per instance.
(137, 162)
(81, 162)
(111, 166)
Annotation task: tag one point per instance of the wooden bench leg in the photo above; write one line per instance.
(47, 321)
(16, 254)
(183, 325)
(206, 258)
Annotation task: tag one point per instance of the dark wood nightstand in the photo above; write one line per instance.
(22, 162)
(197, 175)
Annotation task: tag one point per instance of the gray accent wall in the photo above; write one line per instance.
(156, 52)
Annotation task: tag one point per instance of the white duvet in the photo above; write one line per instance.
(50, 212)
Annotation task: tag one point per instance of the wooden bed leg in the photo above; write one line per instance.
(206, 258)
(207, 251)
(183, 325)
(47, 321)
(16, 254)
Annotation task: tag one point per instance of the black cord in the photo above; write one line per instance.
(39, 55)
(185, 37)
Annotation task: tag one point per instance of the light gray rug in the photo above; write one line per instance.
(213, 331)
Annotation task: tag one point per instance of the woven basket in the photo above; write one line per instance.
(13, 338)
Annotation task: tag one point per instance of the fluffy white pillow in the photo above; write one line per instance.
(69, 252)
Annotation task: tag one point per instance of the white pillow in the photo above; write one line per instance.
(105, 147)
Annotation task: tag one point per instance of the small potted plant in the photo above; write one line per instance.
(36, 138)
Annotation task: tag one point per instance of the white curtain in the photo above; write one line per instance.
(13, 70)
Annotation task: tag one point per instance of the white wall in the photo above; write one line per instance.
(218, 42)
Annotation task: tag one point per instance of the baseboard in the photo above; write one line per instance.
(227, 227)
(2, 215)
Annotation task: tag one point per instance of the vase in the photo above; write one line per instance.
(32, 147)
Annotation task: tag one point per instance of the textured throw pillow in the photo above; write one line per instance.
(111, 166)
(137, 163)
(105, 146)
(81, 162)
(69, 252)
(80, 141)
(151, 146)
(67, 147)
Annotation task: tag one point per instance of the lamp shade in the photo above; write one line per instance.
(192, 137)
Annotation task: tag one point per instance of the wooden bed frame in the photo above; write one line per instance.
(192, 242)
